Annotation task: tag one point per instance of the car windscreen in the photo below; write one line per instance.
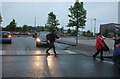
(5, 34)
(43, 34)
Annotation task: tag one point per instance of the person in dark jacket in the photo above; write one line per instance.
(116, 36)
(51, 37)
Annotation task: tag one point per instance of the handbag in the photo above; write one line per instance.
(106, 48)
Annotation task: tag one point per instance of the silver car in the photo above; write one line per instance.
(41, 39)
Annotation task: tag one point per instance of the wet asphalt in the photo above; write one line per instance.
(23, 59)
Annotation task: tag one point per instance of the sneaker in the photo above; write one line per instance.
(55, 55)
(48, 53)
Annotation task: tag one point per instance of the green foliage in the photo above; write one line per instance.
(69, 31)
(73, 33)
(61, 30)
(84, 33)
(105, 33)
(52, 22)
(24, 28)
(87, 34)
(42, 28)
(18, 29)
(11, 26)
(0, 18)
(77, 15)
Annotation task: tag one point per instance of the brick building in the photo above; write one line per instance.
(110, 28)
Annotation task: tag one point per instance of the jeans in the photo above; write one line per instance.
(101, 53)
(51, 45)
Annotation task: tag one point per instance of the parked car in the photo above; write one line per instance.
(116, 55)
(41, 39)
(5, 37)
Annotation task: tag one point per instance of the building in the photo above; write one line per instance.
(119, 12)
(108, 28)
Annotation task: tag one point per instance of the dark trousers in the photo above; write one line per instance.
(101, 53)
(51, 45)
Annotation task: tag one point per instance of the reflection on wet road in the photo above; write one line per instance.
(26, 46)
(61, 66)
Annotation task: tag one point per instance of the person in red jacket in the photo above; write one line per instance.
(100, 45)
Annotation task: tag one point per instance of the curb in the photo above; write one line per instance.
(62, 42)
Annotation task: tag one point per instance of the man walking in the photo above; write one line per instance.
(116, 37)
(51, 37)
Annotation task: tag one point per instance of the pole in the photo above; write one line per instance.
(35, 22)
(91, 26)
(94, 27)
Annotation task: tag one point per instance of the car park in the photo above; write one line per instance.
(41, 39)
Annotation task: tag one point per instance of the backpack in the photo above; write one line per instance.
(51, 37)
(48, 36)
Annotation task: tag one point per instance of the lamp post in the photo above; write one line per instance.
(34, 21)
(94, 27)
(34, 28)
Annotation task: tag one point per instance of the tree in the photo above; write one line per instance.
(77, 17)
(11, 26)
(42, 28)
(61, 30)
(18, 29)
(52, 22)
(87, 34)
(69, 31)
(24, 28)
(105, 33)
(0, 22)
(0, 19)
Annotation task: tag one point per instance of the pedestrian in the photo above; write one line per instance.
(100, 46)
(35, 35)
(51, 37)
(116, 37)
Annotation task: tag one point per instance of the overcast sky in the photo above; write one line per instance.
(24, 12)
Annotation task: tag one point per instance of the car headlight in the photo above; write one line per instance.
(9, 36)
(38, 40)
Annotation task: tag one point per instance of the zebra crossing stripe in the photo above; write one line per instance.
(70, 52)
(105, 61)
(2, 52)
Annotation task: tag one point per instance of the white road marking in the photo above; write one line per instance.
(20, 52)
(70, 52)
(109, 62)
(2, 52)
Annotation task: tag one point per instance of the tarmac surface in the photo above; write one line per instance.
(60, 66)
(86, 46)
(22, 59)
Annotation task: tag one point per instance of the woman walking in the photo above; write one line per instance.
(100, 46)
